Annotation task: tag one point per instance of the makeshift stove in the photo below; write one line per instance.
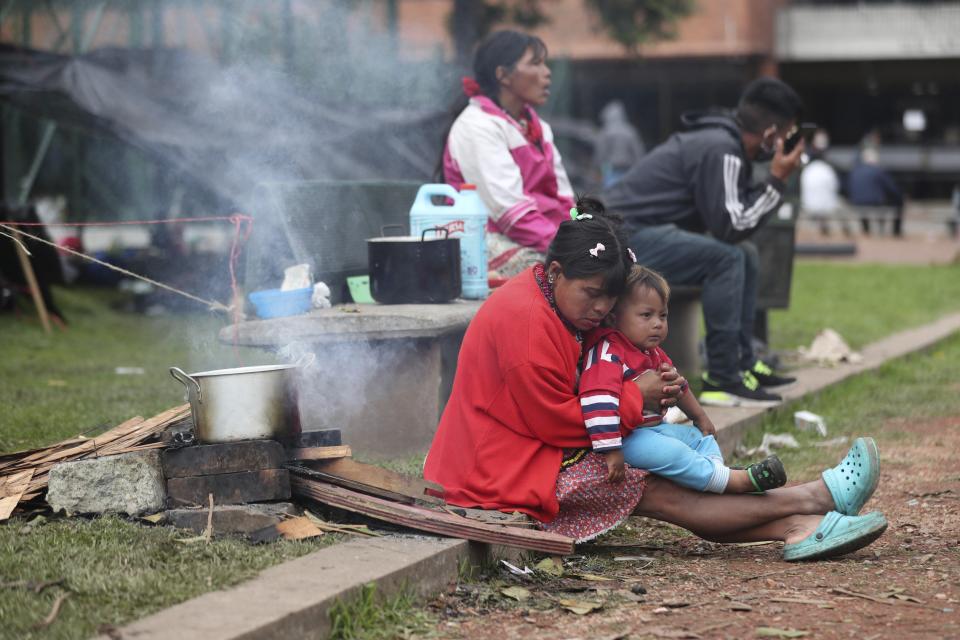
(243, 487)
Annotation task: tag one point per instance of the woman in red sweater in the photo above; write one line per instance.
(511, 437)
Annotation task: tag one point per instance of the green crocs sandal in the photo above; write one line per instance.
(836, 535)
(853, 481)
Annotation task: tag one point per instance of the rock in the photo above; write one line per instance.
(130, 483)
(232, 519)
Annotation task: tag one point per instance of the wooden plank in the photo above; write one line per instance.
(12, 490)
(425, 519)
(231, 488)
(360, 475)
(227, 457)
(319, 453)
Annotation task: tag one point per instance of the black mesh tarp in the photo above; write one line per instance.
(228, 128)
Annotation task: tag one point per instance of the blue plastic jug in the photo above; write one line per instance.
(464, 216)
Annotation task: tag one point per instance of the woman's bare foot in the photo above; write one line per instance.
(800, 527)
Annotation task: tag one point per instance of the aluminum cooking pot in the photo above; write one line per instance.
(414, 269)
(244, 403)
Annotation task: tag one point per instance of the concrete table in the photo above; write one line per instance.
(383, 373)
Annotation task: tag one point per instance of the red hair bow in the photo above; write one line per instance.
(471, 87)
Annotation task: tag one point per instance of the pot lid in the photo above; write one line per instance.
(406, 239)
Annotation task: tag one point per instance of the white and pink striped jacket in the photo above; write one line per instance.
(523, 184)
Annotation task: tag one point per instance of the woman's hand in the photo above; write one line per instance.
(616, 472)
(660, 389)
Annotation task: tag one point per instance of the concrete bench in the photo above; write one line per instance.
(683, 340)
(382, 374)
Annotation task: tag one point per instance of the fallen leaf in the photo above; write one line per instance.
(154, 518)
(550, 566)
(580, 607)
(592, 577)
(517, 593)
(773, 632)
(299, 528)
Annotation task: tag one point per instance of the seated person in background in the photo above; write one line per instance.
(869, 185)
(498, 143)
(689, 205)
(820, 186)
(617, 353)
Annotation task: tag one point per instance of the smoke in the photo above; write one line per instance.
(343, 106)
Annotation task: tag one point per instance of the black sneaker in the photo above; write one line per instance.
(745, 393)
(767, 474)
(766, 377)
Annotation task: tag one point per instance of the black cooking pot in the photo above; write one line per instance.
(414, 269)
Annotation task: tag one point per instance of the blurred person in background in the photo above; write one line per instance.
(498, 143)
(820, 186)
(618, 146)
(953, 225)
(691, 202)
(871, 189)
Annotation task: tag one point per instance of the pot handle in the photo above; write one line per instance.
(306, 360)
(185, 379)
(383, 229)
(437, 230)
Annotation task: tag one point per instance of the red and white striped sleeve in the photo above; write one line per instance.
(600, 386)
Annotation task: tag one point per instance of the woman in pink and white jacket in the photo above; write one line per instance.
(498, 143)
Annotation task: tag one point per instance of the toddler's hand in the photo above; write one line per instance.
(616, 472)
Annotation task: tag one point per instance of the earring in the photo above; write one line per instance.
(550, 279)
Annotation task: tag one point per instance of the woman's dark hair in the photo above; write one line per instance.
(570, 248)
(499, 49)
(502, 49)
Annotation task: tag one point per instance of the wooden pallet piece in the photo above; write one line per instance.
(227, 457)
(368, 478)
(231, 488)
(424, 519)
(319, 453)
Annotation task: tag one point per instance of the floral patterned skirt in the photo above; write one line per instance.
(589, 505)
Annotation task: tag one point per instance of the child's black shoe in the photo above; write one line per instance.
(767, 474)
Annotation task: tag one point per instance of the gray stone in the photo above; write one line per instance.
(232, 519)
(130, 483)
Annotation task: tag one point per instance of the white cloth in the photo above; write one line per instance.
(819, 188)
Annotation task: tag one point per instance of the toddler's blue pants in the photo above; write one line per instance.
(680, 453)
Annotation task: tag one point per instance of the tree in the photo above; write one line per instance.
(629, 22)
(636, 22)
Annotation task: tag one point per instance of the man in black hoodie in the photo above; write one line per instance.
(689, 205)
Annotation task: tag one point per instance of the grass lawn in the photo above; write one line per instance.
(863, 302)
(117, 571)
(54, 387)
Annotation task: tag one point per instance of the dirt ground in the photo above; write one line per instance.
(654, 581)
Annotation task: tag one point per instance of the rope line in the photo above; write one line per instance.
(119, 223)
(237, 221)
